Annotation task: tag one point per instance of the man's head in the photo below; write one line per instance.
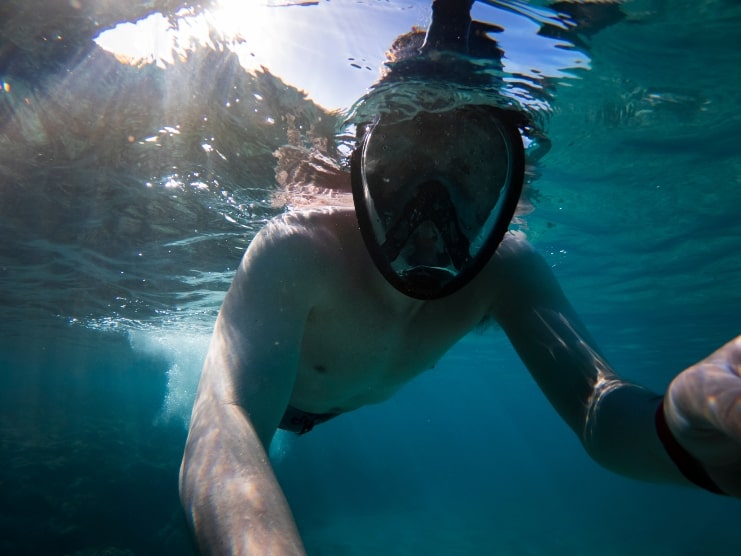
(435, 192)
(439, 162)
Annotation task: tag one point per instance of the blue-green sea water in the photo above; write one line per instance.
(134, 172)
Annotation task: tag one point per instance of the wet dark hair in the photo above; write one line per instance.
(406, 46)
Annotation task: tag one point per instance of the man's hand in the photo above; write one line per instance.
(702, 408)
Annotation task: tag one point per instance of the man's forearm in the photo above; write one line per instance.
(229, 491)
(615, 420)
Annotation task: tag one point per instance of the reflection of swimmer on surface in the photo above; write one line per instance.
(421, 259)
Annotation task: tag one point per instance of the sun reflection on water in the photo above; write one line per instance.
(306, 43)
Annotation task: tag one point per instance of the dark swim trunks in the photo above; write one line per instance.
(685, 462)
(301, 422)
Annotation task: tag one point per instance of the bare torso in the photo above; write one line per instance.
(365, 340)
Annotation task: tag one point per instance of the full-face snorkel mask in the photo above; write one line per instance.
(434, 195)
(435, 191)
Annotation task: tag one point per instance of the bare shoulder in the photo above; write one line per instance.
(298, 237)
(298, 231)
(514, 260)
(519, 276)
(514, 246)
(300, 247)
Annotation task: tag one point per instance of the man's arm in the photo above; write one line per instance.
(228, 489)
(614, 419)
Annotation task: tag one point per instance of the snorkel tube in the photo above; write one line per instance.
(450, 27)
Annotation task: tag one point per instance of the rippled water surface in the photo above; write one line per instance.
(139, 150)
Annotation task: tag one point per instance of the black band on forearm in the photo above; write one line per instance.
(692, 469)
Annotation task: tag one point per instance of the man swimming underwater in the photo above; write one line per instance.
(422, 259)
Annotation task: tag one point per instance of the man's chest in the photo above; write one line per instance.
(362, 354)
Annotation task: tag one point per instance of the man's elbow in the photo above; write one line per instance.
(619, 433)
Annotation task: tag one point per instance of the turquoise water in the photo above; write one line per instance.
(128, 193)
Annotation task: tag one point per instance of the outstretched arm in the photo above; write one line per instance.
(227, 486)
(614, 419)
